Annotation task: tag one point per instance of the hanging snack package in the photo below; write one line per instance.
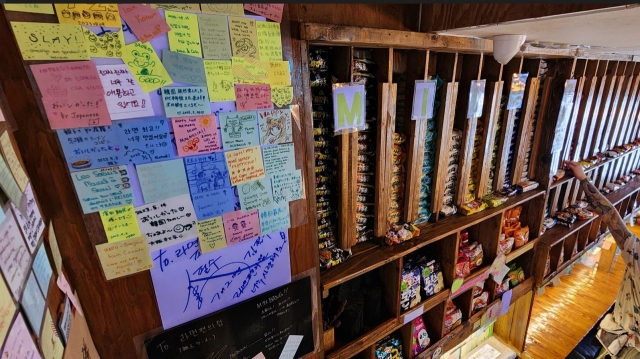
(420, 339)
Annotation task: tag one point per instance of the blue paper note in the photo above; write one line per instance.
(239, 129)
(103, 188)
(33, 303)
(90, 147)
(189, 284)
(145, 140)
(185, 101)
(207, 172)
(214, 203)
(506, 301)
(42, 269)
(162, 180)
(184, 68)
(255, 194)
(274, 217)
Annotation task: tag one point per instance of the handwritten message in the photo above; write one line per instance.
(279, 159)
(255, 194)
(145, 140)
(108, 45)
(207, 172)
(106, 15)
(167, 222)
(244, 38)
(31, 222)
(287, 186)
(253, 97)
(240, 226)
(144, 63)
(269, 41)
(215, 203)
(239, 129)
(50, 341)
(42, 41)
(19, 343)
(12, 161)
(34, 8)
(125, 98)
(103, 188)
(270, 11)
(184, 101)
(250, 71)
(80, 342)
(196, 135)
(78, 112)
(274, 217)
(189, 284)
(219, 80)
(184, 68)
(211, 235)
(162, 180)
(281, 95)
(10, 187)
(184, 36)
(33, 303)
(89, 147)
(279, 74)
(145, 22)
(42, 269)
(223, 9)
(245, 165)
(214, 35)
(275, 126)
(178, 7)
(120, 223)
(14, 255)
(124, 257)
(8, 309)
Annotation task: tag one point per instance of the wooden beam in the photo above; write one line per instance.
(584, 110)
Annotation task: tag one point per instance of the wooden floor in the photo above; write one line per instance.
(563, 315)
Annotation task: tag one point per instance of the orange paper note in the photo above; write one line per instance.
(245, 165)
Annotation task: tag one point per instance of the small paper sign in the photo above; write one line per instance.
(253, 97)
(348, 107)
(211, 235)
(506, 301)
(516, 93)
(124, 257)
(424, 96)
(476, 98)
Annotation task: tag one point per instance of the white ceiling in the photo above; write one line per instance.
(615, 29)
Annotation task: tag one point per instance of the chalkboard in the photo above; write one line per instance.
(260, 324)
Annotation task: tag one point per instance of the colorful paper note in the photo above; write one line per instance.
(214, 35)
(211, 235)
(223, 9)
(14, 255)
(145, 65)
(31, 223)
(506, 301)
(65, 320)
(19, 343)
(196, 135)
(253, 97)
(106, 15)
(281, 95)
(250, 71)
(240, 226)
(184, 68)
(207, 172)
(245, 165)
(12, 161)
(103, 188)
(424, 96)
(42, 269)
(269, 41)
(34, 8)
(167, 222)
(76, 112)
(287, 186)
(33, 303)
(162, 180)
(239, 129)
(279, 159)
(90, 147)
(55, 250)
(145, 140)
(185, 101)
(244, 39)
(270, 11)
(10, 187)
(219, 80)
(255, 194)
(42, 41)
(125, 257)
(348, 106)
(279, 74)
(125, 98)
(8, 308)
(274, 217)
(275, 126)
(64, 286)
(184, 36)
(145, 21)
(108, 45)
(215, 203)
(50, 341)
(178, 7)
(120, 223)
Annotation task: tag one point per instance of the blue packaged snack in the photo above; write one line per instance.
(410, 287)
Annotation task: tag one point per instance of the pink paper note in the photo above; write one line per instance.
(77, 112)
(270, 11)
(67, 79)
(253, 97)
(14, 255)
(239, 226)
(196, 134)
(66, 288)
(145, 22)
(19, 343)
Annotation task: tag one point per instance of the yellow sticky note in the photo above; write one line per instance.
(145, 65)
(120, 223)
(105, 15)
(42, 41)
(109, 45)
(223, 9)
(184, 36)
(211, 234)
(281, 95)
(50, 342)
(13, 162)
(219, 80)
(125, 257)
(55, 250)
(269, 41)
(177, 7)
(7, 309)
(244, 40)
(250, 71)
(279, 74)
(35, 8)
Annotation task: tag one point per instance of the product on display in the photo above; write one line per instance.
(390, 347)
(480, 301)
(449, 207)
(515, 275)
(469, 256)
(396, 195)
(502, 287)
(420, 339)
(401, 233)
(453, 317)
(410, 286)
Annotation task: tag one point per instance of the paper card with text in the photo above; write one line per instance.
(255, 194)
(184, 68)
(239, 129)
(211, 235)
(33, 303)
(31, 223)
(67, 79)
(42, 269)
(125, 99)
(270, 11)
(196, 134)
(249, 71)
(215, 202)
(253, 97)
(274, 217)
(10, 187)
(125, 257)
(185, 101)
(162, 180)
(89, 110)
(219, 80)
(103, 188)
(275, 126)
(207, 172)
(33, 8)
(145, 21)
(244, 38)
(245, 165)
(105, 15)
(14, 255)
(19, 343)
(168, 221)
(90, 147)
(214, 35)
(42, 41)
(178, 7)
(50, 342)
(281, 95)
(184, 36)
(279, 159)
(120, 223)
(269, 41)
(109, 44)
(424, 95)
(80, 342)
(279, 74)
(12, 160)
(7, 309)
(240, 226)
(145, 65)
(145, 140)
(349, 108)
(223, 9)
(287, 186)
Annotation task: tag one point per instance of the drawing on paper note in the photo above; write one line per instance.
(275, 127)
(110, 44)
(245, 47)
(143, 62)
(89, 14)
(207, 172)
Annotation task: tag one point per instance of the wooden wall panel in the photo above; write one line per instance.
(588, 92)
(380, 16)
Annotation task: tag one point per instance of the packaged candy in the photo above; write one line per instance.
(332, 256)
(432, 280)
(389, 347)
(463, 268)
(399, 138)
(521, 236)
(453, 317)
(448, 210)
(494, 200)
(526, 186)
(478, 288)
(515, 275)
(506, 244)
(472, 207)
(549, 222)
(558, 175)
(410, 287)
(502, 287)
(480, 301)
(401, 233)
(565, 218)
(420, 339)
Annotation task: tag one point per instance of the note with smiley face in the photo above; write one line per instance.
(145, 65)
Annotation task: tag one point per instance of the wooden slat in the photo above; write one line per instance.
(493, 96)
(386, 123)
(622, 122)
(603, 113)
(506, 132)
(601, 81)
(523, 141)
(629, 122)
(445, 129)
(612, 119)
(584, 111)
(466, 154)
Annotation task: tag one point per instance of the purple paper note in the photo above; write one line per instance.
(145, 140)
(14, 255)
(189, 284)
(214, 203)
(506, 301)
(19, 343)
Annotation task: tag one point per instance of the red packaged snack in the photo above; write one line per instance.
(463, 269)
(506, 244)
(521, 236)
(453, 318)
(478, 288)
(480, 301)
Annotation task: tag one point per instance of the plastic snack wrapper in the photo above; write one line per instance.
(502, 287)
(432, 280)
(521, 236)
(478, 288)
(389, 347)
(410, 287)
(494, 200)
(453, 318)
(330, 257)
(472, 207)
(506, 244)
(480, 301)
(420, 339)
(401, 233)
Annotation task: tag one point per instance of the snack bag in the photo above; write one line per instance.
(420, 340)
(410, 287)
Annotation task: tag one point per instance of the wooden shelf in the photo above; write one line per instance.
(522, 250)
(559, 232)
(429, 303)
(565, 264)
(366, 340)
